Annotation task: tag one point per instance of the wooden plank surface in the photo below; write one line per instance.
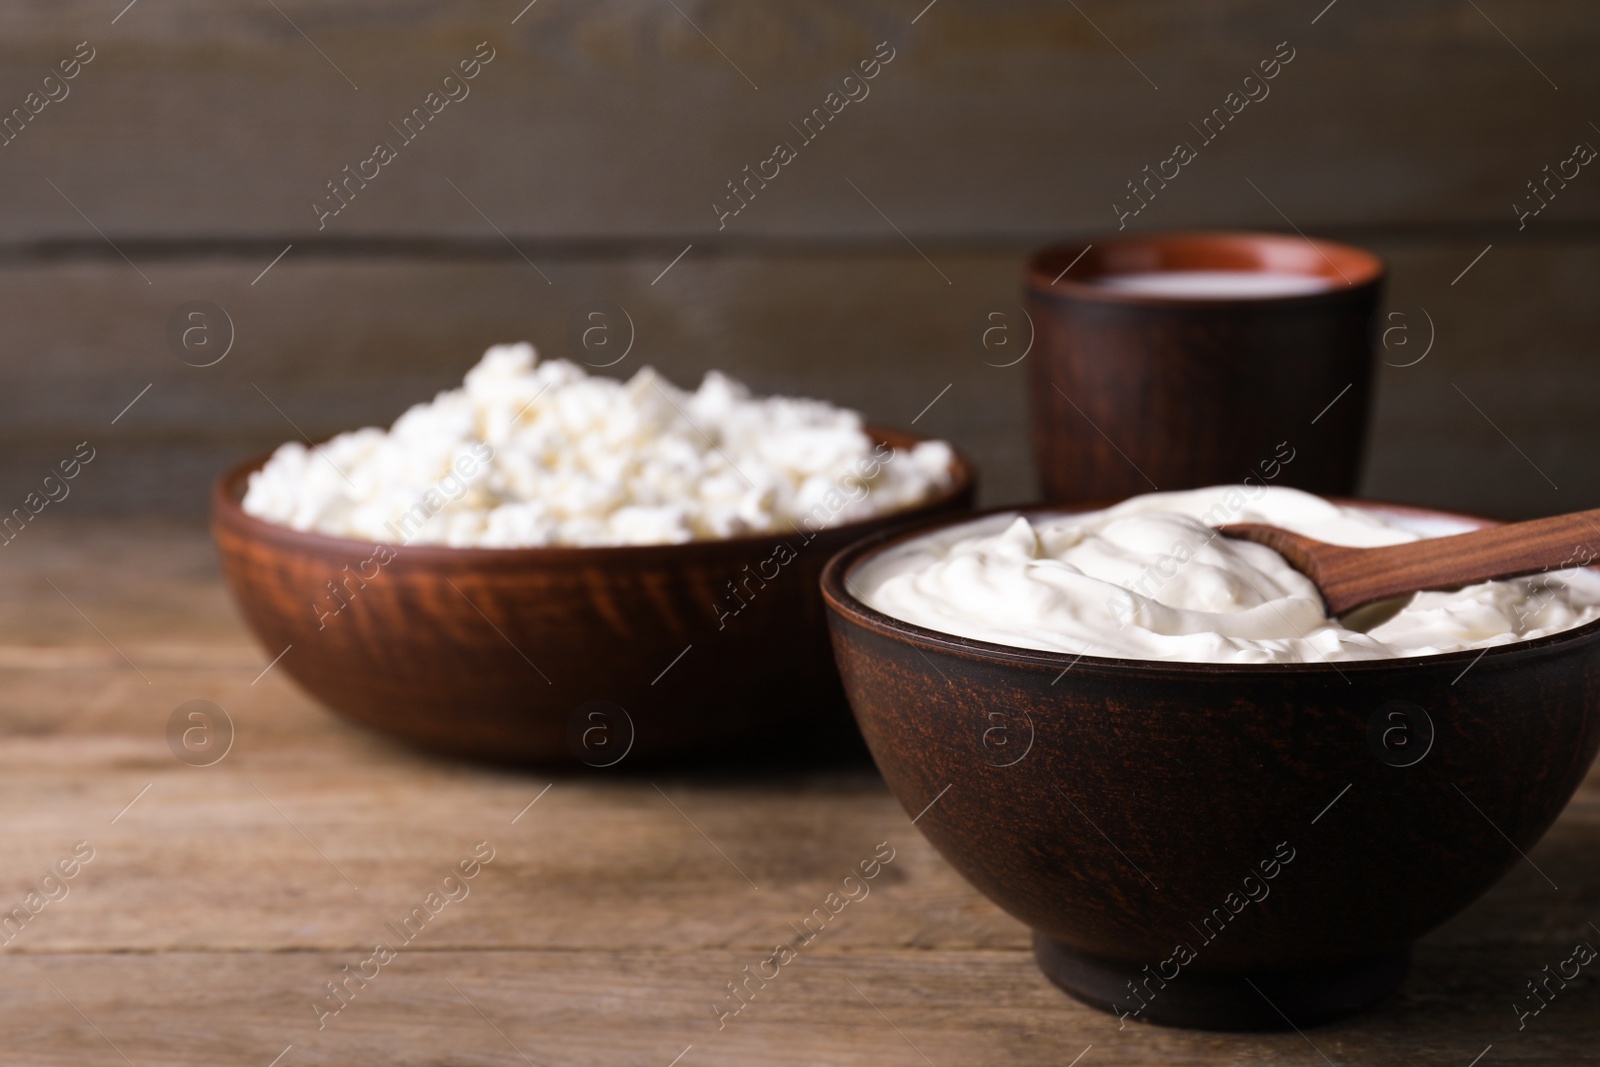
(625, 118)
(186, 154)
(219, 903)
(1494, 415)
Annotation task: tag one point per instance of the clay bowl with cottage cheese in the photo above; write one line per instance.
(604, 656)
(1221, 845)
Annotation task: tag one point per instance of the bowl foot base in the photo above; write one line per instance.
(1267, 1000)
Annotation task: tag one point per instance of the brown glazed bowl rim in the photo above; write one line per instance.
(227, 493)
(840, 600)
(1357, 267)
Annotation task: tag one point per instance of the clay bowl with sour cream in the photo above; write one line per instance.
(1221, 845)
(561, 655)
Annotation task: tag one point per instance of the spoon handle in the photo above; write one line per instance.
(1351, 577)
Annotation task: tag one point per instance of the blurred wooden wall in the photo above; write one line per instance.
(187, 154)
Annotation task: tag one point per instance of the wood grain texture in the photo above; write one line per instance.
(197, 138)
(969, 1007)
(1351, 577)
(206, 924)
(598, 136)
(620, 118)
(1492, 417)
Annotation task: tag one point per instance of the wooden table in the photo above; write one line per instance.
(221, 899)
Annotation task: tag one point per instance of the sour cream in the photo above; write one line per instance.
(1150, 579)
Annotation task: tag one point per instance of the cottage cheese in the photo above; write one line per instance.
(541, 453)
(1148, 579)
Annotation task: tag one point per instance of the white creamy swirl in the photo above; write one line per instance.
(1149, 579)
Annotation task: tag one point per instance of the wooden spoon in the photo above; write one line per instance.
(1351, 577)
